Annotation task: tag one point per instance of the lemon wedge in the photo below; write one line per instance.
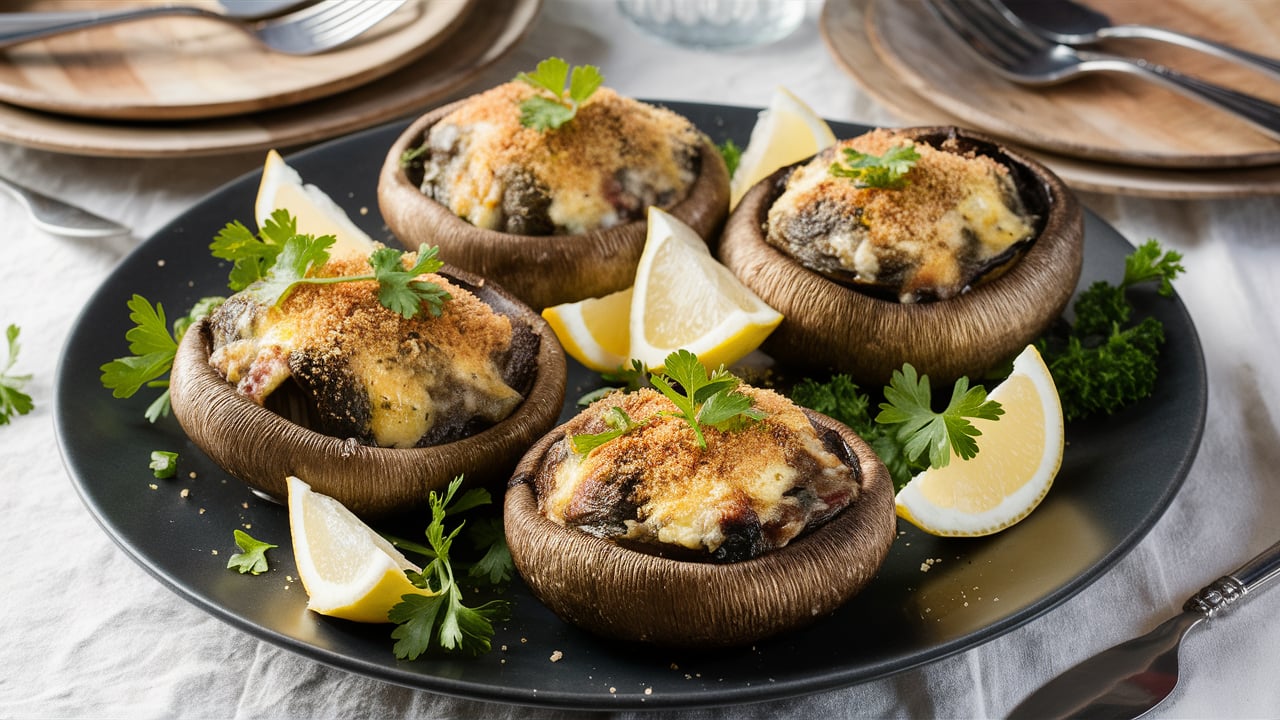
(348, 570)
(684, 298)
(317, 214)
(786, 132)
(596, 332)
(1017, 459)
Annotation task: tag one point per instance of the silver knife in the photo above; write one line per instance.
(1133, 677)
(61, 218)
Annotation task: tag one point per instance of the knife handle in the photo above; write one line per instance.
(1227, 589)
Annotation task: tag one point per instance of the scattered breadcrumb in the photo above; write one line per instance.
(192, 474)
(556, 656)
(160, 262)
(648, 691)
(186, 492)
(153, 486)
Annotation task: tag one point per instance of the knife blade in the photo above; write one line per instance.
(1130, 679)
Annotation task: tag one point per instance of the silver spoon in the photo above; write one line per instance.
(1133, 677)
(1071, 23)
(60, 218)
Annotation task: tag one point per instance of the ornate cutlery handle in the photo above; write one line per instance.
(1229, 588)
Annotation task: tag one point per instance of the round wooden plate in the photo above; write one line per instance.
(1110, 118)
(481, 40)
(844, 30)
(187, 68)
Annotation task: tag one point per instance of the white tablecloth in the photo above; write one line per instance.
(89, 634)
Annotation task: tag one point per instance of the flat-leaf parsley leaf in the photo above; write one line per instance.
(443, 620)
(252, 557)
(12, 400)
(922, 430)
(887, 171)
(544, 113)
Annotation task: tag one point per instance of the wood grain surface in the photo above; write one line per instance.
(482, 39)
(844, 30)
(184, 68)
(1106, 117)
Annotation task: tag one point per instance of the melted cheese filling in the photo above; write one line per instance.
(405, 376)
(654, 485)
(957, 215)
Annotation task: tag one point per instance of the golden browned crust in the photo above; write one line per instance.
(929, 239)
(586, 174)
(751, 490)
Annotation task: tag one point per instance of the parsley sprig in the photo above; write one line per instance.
(907, 433)
(442, 620)
(543, 112)
(887, 171)
(272, 264)
(700, 399)
(13, 401)
(252, 558)
(1102, 362)
(153, 346)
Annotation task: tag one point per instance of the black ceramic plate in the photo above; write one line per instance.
(1118, 476)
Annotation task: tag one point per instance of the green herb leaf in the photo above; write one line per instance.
(732, 155)
(13, 401)
(152, 346)
(887, 171)
(924, 431)
(443, 620)
(619, 422)
(544, 113)
(252, 557)
(299, 255)
(397, 288)
(164, 464)
(496, 564)
(630, 378)
(1102, 363)
(698, 390)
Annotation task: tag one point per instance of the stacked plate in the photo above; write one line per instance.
(192, 86)
(1100, 133)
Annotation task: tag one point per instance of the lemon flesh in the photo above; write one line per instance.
(317, 214)
(597, 331)
(684, 298)
(786, 132)
(348, 570)
(1018, 458)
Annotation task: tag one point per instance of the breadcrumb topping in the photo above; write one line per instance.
(616, 157)
(929, 240)
(749, 491)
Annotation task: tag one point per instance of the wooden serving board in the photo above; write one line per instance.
(1103, 117)
(844, 30)
(186, 68)
(483, 38)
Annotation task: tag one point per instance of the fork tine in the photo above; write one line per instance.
(325, 25)
(987, 34)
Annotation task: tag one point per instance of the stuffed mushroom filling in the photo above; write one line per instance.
(750, 491)
(957, 219)
(365, 372)
(617, 157)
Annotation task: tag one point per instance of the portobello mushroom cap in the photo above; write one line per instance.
(831, 326)
(631, 595)
(541, 270)
(262, 447)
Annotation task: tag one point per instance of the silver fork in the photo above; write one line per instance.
(1025, 58)
(324, 26)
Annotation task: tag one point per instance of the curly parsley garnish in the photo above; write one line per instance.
(732, 155)
(887, 171)
(442, 619)
(1102, 362)
(543, 113)
(252, 558)
(12, 400)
